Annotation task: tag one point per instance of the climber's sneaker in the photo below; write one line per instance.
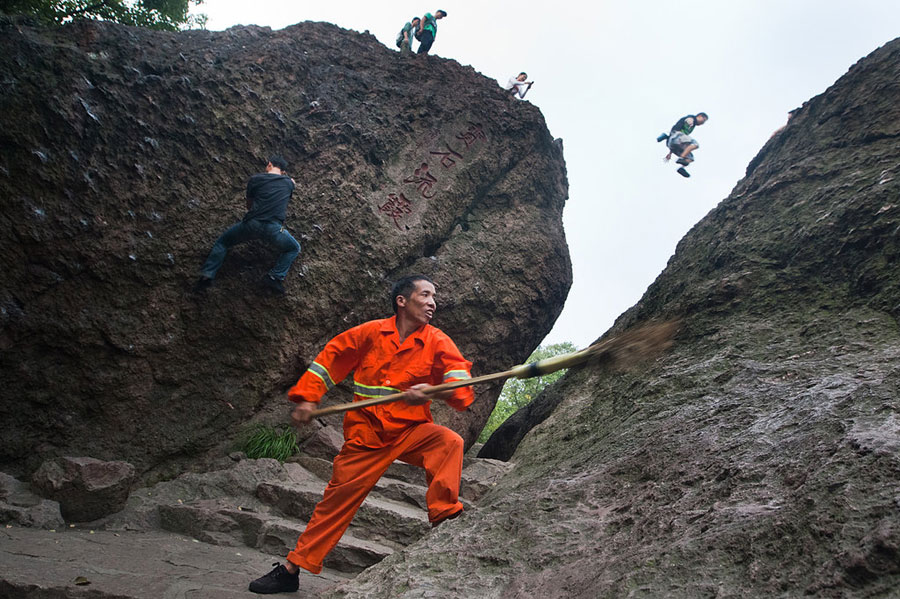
(279, 580)
(683, 172)
(202, 284)
(683, 161)
(270, 282)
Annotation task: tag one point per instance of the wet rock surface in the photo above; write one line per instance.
(124, 153)
(760, 457)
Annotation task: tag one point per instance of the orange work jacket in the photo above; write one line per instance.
(381, 365)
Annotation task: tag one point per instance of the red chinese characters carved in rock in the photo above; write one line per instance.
(396, 206)
(423, 180)
(447, 157)
(473, 134)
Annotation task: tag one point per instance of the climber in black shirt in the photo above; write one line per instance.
(268, 195)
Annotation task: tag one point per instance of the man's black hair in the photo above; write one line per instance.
(279, 162)
(405, 287)
(415, 19)
(443, 11)
(524, 73)
(704, 115)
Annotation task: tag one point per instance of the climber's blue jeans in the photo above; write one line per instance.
(272, 232)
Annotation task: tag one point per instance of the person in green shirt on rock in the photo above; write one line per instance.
(405, 37)
(428, 30)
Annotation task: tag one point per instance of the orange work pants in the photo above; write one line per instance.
(356, 470)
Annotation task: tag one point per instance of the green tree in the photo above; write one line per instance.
(169, 15)
(517, 393)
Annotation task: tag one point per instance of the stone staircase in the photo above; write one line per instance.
(392, 516)
(211, 533)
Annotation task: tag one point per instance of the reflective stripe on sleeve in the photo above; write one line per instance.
(456, 374)
(321, 372)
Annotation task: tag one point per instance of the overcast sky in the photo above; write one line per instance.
(609, 77)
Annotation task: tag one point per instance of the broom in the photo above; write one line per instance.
(621, 351)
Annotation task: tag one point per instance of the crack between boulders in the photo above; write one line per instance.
(467, 212)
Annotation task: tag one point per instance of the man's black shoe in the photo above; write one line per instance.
(683, 172)
(662, 136)
(683, 161)
(279, 580)
(273, 284)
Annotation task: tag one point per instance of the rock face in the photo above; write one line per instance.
(760, 457)
(124, 153)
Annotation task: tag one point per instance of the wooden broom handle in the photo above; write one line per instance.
(523, 372)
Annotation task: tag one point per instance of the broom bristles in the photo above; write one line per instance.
(621, 351)
(636, 345)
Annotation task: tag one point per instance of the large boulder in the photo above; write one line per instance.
(125, 152)
(86, 489)
(759, 457)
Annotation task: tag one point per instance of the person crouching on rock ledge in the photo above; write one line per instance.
(403, 353)
(268, 195)
(518, 85)
(405, 37)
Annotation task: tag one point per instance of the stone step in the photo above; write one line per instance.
(480, 475)
(20, 506)
(378, 519)
(401, 492)
(350, 556)
(401, 482)
(217, 523)
(406, 483)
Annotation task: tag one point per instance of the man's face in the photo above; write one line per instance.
(521, 77)
(701, 119)
(419, 306)
(439, 15)
(415, 22)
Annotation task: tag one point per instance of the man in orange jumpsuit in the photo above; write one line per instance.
(402, 353)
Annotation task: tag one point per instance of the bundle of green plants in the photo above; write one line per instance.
(265, 441)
